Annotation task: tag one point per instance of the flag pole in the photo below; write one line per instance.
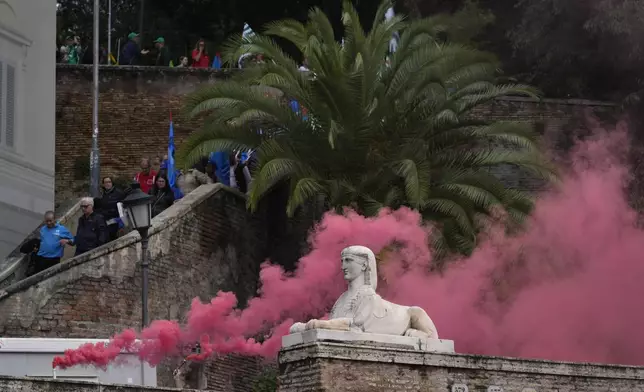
(109, 31)
(94, 161)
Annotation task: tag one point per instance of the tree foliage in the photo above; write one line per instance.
(375, 135)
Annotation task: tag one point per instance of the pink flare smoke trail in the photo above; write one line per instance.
(567, 288)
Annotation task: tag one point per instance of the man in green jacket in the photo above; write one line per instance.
(163, 56)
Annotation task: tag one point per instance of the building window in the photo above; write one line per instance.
(7, 104)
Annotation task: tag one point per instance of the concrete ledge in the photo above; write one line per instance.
(560, 101)
(369, 339)
(23, 384)
(159, 223)
(167, 74)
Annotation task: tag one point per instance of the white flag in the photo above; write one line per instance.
(393, 43)
(246, 33)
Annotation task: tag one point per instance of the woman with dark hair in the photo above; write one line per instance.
(200, 58)
(240, 177)
(111, 196)
(162, 195)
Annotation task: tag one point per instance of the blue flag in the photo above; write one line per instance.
(222, 164)
(216, 62)
(171, 170)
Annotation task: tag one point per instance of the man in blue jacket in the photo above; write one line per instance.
(53, 236)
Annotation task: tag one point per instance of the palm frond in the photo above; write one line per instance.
(375, 134)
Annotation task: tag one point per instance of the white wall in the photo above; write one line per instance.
(33, 357)
(28, 46)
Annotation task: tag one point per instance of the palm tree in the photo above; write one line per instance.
(400, 134)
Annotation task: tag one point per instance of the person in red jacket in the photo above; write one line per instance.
(200, 58)
(146, 176)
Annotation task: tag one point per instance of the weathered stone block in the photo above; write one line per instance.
(350, 367)
(19, 384)
(323, 335)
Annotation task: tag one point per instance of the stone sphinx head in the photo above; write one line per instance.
(360, 262)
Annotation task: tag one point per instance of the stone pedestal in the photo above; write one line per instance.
(331, 361)
(371, 339)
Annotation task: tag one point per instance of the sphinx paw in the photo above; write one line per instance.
(297, 328)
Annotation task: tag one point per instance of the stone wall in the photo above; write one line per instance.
(342, 367)
(204, 243)
(15, 384)
(134, 113)
(135, 104)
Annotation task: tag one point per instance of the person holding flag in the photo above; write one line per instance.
(171, 170)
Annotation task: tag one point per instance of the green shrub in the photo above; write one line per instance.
(266, 381)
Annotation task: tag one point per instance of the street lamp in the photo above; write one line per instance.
(139, 212)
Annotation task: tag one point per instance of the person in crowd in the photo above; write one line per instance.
(146, 176)
(163, 55)
(50, 249)
(92, 230)
(305, 66)
(183, 62)
(162, 195)
(163, 167)
(156, 163)
(221, 162)
(88, 54)
(131, 53)
(239, 172)
(64, 50)
(200, 58)
(109, 200)
(193, 178)
(71, 50)
(211, 171)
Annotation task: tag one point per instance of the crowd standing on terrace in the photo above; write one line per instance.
(100, 221)
(72, 51)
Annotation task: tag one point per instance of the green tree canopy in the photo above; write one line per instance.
(377, 134)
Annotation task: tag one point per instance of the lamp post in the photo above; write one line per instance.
(109, 31)
(138, 206)
(94, 161)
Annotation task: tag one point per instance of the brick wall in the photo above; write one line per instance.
(16, 384)
(337, 367)
(205, 243)
(134, 110)
(135, 103)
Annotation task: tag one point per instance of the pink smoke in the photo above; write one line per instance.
(567, 288)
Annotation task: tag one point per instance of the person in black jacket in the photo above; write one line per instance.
(163, 195)
(92, 230)
(111, 196)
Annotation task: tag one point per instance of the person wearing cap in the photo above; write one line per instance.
(163, 55)
(131, 51)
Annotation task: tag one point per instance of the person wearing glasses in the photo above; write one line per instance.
(92, 230)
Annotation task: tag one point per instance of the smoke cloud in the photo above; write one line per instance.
(567, 288)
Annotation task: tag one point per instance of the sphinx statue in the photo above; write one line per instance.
(361, 309)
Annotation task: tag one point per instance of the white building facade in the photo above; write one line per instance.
(27, 116)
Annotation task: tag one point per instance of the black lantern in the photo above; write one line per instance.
(139, 211)
(139, 208)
